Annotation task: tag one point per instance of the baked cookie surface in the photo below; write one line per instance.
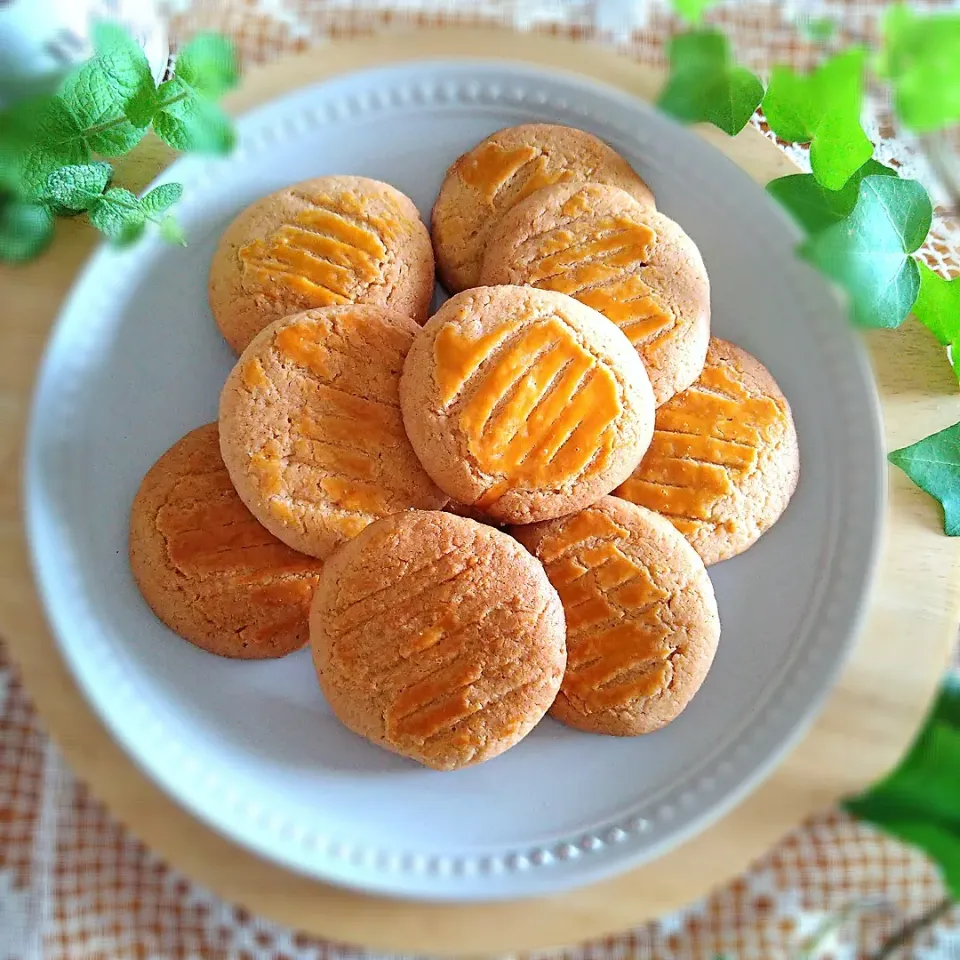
(204, 564)
(320, 243)
(310, 426)
(724, 460)
(437, 638)
(637, 267)
(484, 183)
(524, 403)
(642, 620)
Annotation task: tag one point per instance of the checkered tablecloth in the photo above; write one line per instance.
(75, 886)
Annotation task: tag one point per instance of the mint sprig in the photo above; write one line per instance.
(50, 147)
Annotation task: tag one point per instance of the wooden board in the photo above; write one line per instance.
(868, 722)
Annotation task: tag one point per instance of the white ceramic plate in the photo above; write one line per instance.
(251, 748)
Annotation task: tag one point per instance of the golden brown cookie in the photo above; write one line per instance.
(642, 620)
(525, 403)
(208, 570)
(724, 460)
(438, 638)
(636, 266)
(320, 243)
(504, 169)
(310, 426)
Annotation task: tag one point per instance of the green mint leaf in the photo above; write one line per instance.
(933, 464)
(187, 121)
(78, 186)
(691, 10)
(119, 215)
(866, 253)
(823, 108)
(705, 86)
(920, 801)
(121, 58)
(208, 63)
(171, 232)
(25, 229)
(101, 106)
(39, 135)
(813, 206)
(920, 56)
(161, 198)
(113, 95)
(938, 306)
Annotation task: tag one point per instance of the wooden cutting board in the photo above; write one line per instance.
(868, 722)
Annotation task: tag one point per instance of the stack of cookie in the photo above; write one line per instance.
(501, 510)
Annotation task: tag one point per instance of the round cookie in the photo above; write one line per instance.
(504, 169)
(642, 620)
(438, 638)
(637, 267)
(724, 460)
(205, 566)
(320, 243)
(310, 426)
(525, 403)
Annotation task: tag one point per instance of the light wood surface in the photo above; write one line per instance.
(868, 722)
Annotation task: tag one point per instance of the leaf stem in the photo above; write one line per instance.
(910, 929)
(116, 121)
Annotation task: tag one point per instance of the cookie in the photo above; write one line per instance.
(310, 426)
(642, 620)
(504, 169)
(438, 638)
(320, 243)
(525, 403)
(205, 566)
(724, 460)
(637, 267)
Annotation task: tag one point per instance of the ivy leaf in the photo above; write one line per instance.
(119, 215)
(822, 108)
(705, 85)
(813, 206)
(190, 122)
(77, 186)
(39, 135)
(25, 229)
(171, 232)
(938, 306)
(933, 464)
(920, 801)
(691, 10)
(938, 309)
(208, 64)
(161, 198)
(920, 57)
(867, 252)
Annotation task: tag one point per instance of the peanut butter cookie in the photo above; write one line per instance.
(724, 460)
(637, 267)
(310, 426)
(438, 638)
(524, 403)
(320, 243)
(504, 169)
(205, 566)
(642, 621)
